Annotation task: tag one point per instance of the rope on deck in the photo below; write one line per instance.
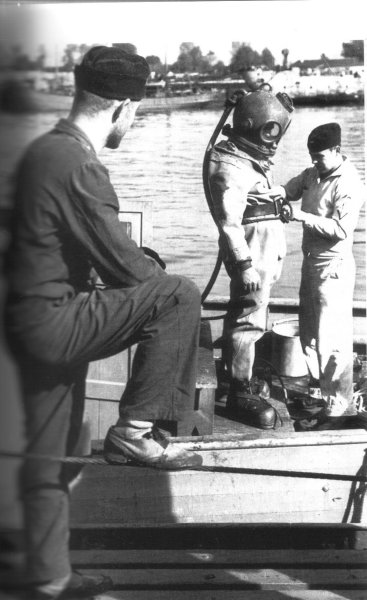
(100, 460)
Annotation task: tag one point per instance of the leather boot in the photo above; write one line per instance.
(146, 447)
(250, 408)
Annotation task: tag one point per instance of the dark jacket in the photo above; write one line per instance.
(66, 222)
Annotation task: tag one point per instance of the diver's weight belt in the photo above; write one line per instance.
(262, 212)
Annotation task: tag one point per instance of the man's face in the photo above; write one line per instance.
(327, 160)
(121, 125)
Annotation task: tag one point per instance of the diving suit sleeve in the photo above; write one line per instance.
(229, 187)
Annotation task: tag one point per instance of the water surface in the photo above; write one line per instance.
(161, 160)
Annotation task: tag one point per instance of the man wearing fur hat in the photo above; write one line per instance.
(332, 195)
(65, 228)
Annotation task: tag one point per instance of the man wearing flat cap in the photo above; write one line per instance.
(66, 231)
(332, 195)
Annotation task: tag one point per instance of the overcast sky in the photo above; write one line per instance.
(306, 27)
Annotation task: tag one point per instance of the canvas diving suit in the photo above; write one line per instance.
(239, 181)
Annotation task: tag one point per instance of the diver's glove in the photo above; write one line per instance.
(244, 277)
(248, 281)
(152, 254)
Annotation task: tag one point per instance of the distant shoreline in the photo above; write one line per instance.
(15, 97)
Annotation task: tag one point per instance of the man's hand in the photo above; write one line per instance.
(277, 191)
(152, 254)
(298, 214)
(247, 281)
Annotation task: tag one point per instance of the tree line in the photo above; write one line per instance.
(190, 59)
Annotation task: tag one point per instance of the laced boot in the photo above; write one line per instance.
(360, 402)
(333, 416)
(251, 408)
(260, 387)
(314, 397)
(140, 443)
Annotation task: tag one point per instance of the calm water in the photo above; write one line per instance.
(161, 159)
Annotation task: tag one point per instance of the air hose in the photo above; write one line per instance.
(230, 103)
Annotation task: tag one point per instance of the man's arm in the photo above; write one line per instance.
(94, 221)
(347, 200)
(293, 189)
(229, 188)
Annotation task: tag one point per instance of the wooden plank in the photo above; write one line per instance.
(265, 439)
(222, 594)
(220, 558)
(233, 595)
(91, 417)
(312, 559)
(206, 375)
(286, 534)
(129, 495)
(278, 304)
(265, 579)
(281, 308)
(108, 415)
(273, 439)
(107, 378)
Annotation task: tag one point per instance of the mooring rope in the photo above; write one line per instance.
(101, 461)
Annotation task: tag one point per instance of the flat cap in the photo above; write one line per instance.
(112, 73)
(324, 137)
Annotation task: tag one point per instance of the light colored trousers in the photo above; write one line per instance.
(242, 327)
(326, 324)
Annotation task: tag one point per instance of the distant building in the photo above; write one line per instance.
(330, 66)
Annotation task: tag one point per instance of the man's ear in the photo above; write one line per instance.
(117, 112)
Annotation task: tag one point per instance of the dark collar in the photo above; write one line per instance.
(69, 128)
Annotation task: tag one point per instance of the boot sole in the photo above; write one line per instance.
(235, 414)
(120, 460)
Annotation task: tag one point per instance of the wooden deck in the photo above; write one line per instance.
(165, 570)
(229, 574)
(249, 475)
(273, 514)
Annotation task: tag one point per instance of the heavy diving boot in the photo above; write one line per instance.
(250, 407)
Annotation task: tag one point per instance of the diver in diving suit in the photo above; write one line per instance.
(240, 179)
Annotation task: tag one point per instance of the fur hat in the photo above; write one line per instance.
(324, 137)
(112, 73)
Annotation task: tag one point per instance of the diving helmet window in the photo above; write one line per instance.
(271, 131)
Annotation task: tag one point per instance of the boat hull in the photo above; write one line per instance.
(285, 483)
(19, 98)
(175, 103)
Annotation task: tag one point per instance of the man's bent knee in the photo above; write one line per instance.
(185, 290)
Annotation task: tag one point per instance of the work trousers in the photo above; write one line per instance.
(326, 324)
(245, 324)
(54, 342)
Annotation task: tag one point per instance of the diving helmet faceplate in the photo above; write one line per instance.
(262, 118)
